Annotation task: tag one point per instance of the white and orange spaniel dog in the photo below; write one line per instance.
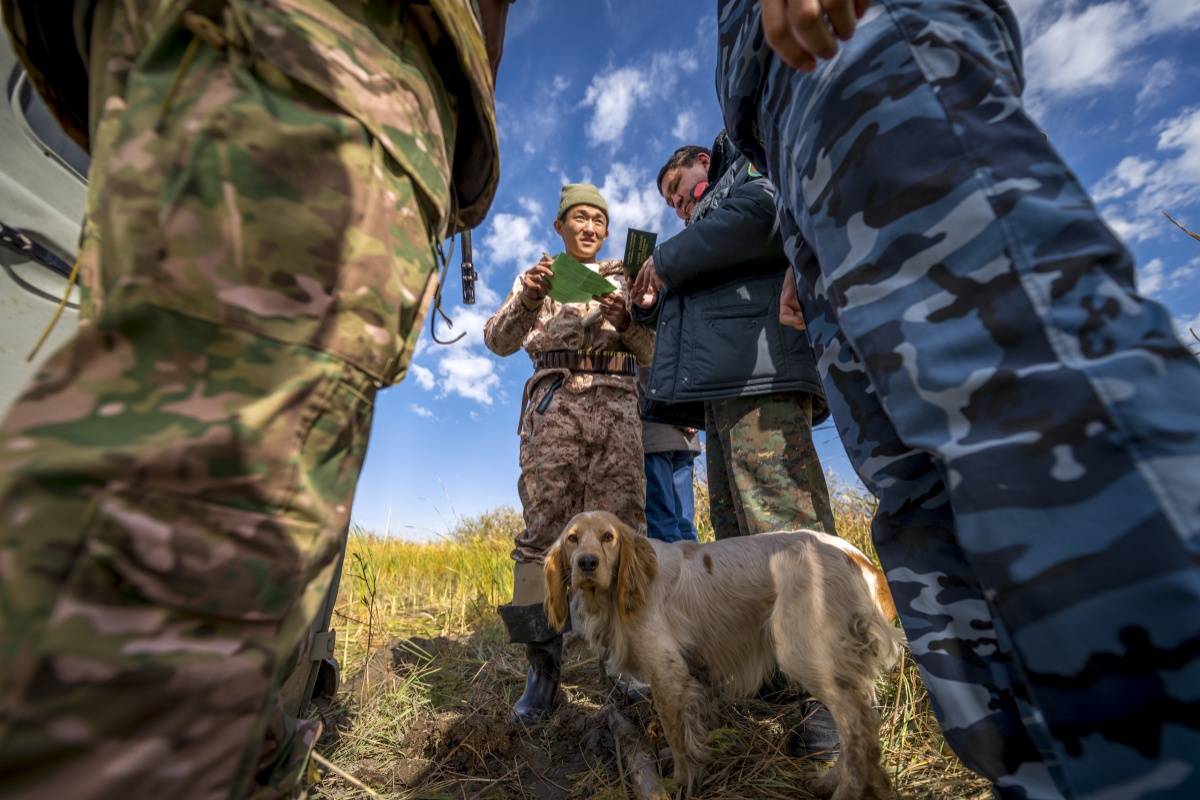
(705, 622)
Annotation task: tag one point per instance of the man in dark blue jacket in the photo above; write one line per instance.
(715, 291)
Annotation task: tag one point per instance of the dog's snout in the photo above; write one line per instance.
(589, 563)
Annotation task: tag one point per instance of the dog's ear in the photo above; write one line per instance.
(557, 574)
(636, 567)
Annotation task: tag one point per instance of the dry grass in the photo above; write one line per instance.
(427, 715)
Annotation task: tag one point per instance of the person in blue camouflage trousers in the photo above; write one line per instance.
(1028, 422)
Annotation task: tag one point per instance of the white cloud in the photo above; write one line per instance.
(532, 207)
(1029, 14)
(1078, 52)
(423, 376)
(469, 374)
(1171, 15)
(514, 239)
(485, 295)
(615, 94)
(1130, 174)
(1139, 187)
(421, 411)
(1150, 277)
(1130, 230)
(465, 368)
(1155, 280)
(1072, 50)
(1185, 275)
(523, 17)
(470, 320)
(633, 202)
(1183, 133)
(1160, 78)
(687, 127)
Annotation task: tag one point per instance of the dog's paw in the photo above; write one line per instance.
(851, 793)
(687, 776)
(854, 790)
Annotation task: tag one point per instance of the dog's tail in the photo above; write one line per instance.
(887, 641)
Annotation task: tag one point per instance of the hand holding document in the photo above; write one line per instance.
(575, 283)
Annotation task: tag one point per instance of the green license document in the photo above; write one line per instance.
(575, 283)
(639, 245)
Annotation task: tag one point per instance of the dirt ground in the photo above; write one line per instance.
(430, 718)
(466, 743)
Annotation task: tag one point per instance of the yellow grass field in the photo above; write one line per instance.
(428, 680)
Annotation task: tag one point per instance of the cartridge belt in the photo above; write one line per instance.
(601, 362)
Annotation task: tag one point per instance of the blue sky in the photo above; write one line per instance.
(604, 91)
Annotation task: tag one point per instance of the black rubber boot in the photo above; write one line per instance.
(541, 682)
(815, 734)
(543, 647)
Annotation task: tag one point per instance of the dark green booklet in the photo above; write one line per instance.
(639, 245)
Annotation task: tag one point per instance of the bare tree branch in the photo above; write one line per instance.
(1179, 225)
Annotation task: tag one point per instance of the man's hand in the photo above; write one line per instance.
(801, 31)
(493, 16)
(535, 281)
(790, 313)
(647, 286)
(614, 310)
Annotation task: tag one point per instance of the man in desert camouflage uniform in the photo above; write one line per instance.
(581, 435)
(1027, 420)
(268, 181)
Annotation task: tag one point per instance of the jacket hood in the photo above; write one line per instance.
(724, 154)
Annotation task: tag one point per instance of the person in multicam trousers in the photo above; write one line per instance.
(581, 436)
(268, 180)
(1029, 423)
(720, 341)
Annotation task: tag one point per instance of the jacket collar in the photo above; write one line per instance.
(723, 169)
(724, 154)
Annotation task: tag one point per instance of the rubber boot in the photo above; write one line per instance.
(815, 735)
(537, 702)
(628, 688)
(529, 626)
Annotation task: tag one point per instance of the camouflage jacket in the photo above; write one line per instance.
(742, 71)
(347, 50)
(568, 326)
(742, 57)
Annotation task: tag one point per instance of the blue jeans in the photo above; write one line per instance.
(670, 500)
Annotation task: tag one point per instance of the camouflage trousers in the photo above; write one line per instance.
(763, 470)
(176, 482)
(584, 453)
(1027, 420)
